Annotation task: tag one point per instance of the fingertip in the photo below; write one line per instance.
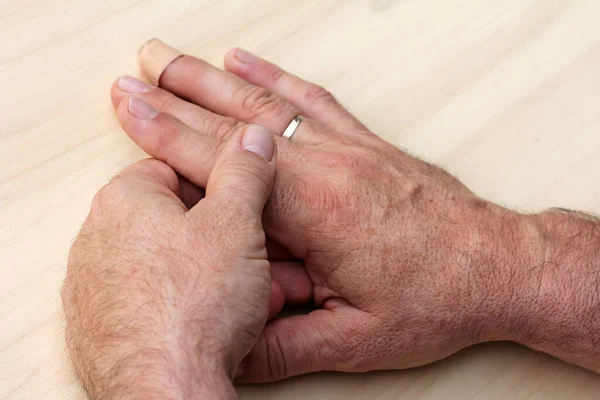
(245, 169)
(294, 280)
(123, 109)
(124, 112)
(259, 140)
(230, 55)
(232, 65)
(154, 57)
(116, 94)
(142, 131)
(277, 299)
(125, 86)
(241, 62)
(302, 292)
(255, 139)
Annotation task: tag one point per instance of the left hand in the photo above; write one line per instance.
(165, 300)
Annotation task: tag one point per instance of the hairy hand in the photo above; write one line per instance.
(162, 300)
(408, 265)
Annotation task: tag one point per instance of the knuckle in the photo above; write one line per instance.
(276, 74)
(318, 94)
(249, 176)
(105, 196)
(223, 128)
(165, 140)
(412, 190)
(325, 197)
(121, 185)
(153, 168)
(148, 165)
(276, 361)
(342, 161)
(219, 148)
(347, 168)
(363, 163)
(167, 102)
(258, 100)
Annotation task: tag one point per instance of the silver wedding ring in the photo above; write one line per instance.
(291, 128)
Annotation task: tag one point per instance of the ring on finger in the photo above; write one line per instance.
(291, 128)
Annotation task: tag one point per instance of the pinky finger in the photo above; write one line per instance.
(312, 100)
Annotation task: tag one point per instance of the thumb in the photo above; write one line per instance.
(245, 169)
(298, 345)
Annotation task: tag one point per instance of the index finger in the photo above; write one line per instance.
(152, 172)
(145, 181)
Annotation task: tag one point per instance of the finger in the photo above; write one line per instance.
(190, 114)
(191, 153)
(276, 301)
(245, 171)
(166, 138)
(292, 278)
(277, 252)
(152, 172)
(220, 91)
(290, 285)
(146, 181)
(162, 56)
(298, 345)
(312, 100)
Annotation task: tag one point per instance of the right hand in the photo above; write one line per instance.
(408, 265)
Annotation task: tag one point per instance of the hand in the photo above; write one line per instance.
(408, 265)
(162, 300)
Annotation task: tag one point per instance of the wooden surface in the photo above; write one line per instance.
(505, 94)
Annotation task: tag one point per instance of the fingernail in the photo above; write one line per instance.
(244, 57)
(259, 140)
(140, 109)
(154, 57)
(132, 85)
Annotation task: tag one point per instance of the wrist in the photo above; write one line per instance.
(543, 272)
(504, 275)
(153, 373)
(565, 303)
(149, 366)
(135, 347)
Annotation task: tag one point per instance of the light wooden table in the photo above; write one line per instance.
(505, 94)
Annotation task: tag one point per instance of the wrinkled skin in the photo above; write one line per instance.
(162, 300)
(405, 264)
(400, 253)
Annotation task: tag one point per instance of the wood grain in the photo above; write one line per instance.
(505, 94)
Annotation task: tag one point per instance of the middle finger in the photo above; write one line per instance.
(217, 90)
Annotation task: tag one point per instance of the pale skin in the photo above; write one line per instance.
(404, 263)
